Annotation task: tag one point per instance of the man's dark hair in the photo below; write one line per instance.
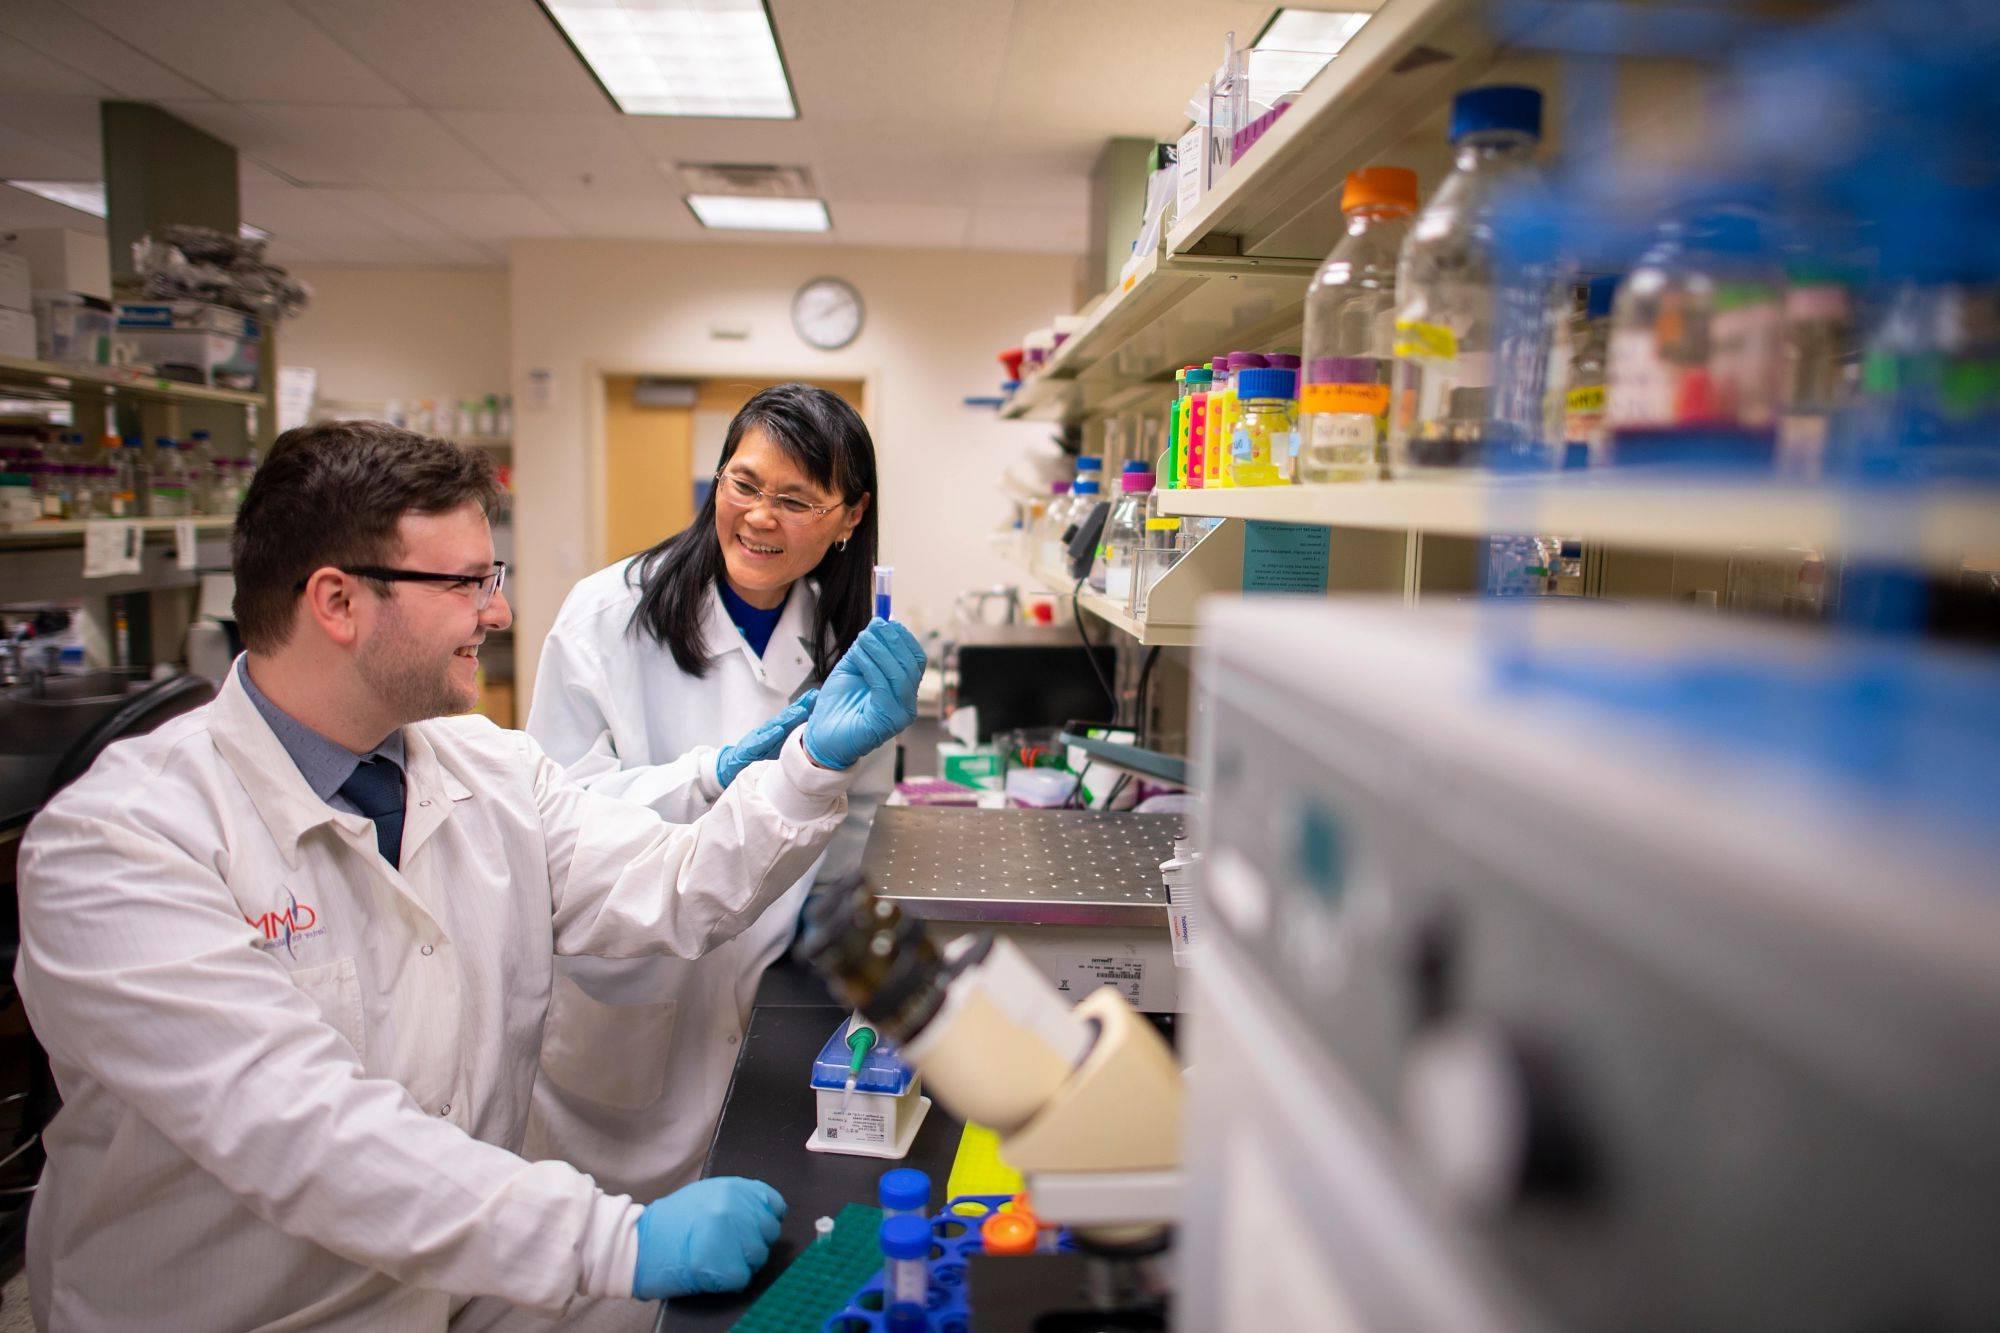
(332, 494)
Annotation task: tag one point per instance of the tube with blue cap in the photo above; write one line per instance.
(884, 574)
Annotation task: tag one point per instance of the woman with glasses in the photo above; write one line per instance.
(663, 678)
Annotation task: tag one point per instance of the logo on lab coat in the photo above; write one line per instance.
(298, 922)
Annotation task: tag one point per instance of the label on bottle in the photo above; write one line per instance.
(1425, 342)
(1589, 398)
(1372, 398)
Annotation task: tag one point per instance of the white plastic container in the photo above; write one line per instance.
(880, 1117)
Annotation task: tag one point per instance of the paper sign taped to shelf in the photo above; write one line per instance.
(541, 389)
(1285, 557)
(111, 547)
(186, 544)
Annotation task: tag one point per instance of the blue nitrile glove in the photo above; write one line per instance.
(871, 695)
(762, 741)
(708, 1236)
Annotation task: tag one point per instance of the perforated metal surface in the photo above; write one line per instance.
(1039, 867)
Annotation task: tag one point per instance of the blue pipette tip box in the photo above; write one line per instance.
(880, 1118)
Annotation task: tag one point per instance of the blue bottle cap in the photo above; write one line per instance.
(1600, 290)
(1497, 106)
(906, 1237)
(1084, 461)
(1268, 383)
(1137, 465)
(905, 1189)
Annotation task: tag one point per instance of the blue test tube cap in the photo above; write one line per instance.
(905, 1190)
(906, 1237)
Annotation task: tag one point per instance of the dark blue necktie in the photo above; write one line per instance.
(376, 788)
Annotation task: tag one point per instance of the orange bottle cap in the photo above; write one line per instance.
(1008, 1233)
(1379, 185)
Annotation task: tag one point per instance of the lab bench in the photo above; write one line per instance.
(768, 1116)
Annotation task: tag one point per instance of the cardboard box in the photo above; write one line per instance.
(193, 355)
(61, 260)
(17, 334)
(194, 316)
(15, 285)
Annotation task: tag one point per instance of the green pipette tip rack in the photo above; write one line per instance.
(820, 1282)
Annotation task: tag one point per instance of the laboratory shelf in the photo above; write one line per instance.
(1147, 633)
(1400, 69)
(1147, 763)
(1936, 525)
(1168, 314)
(64, 532)
(58, 379)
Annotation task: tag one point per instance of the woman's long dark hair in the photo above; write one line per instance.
(826, 440)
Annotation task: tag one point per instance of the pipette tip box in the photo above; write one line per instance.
(881, 1117)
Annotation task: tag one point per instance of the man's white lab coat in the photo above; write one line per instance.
(293, 1075)
(638, 1053)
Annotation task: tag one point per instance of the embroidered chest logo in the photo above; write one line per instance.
(297, 923)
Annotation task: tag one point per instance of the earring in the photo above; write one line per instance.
(840, 545)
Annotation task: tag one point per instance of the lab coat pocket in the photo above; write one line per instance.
(336, 988)
(611, 1054)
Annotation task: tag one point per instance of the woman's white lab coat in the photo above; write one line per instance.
(294, 1076)
(637, 1054)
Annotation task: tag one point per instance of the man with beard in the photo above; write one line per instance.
(290, 953)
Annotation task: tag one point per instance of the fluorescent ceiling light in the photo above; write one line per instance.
(1322, 30)
(681, 57)
(83, 196)
(738, 212)
(88, 197)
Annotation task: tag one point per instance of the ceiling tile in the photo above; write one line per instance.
(485, 216)
(63, 34)
(26, 72)
(623, 214)
(71, 123)
(26, 157)
(394, 147)
(546, 151)
(929, 226)
(931, 62)
(1031, 230)
(245, 50)
(468, 54)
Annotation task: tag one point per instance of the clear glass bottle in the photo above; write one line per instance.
(135, 478)
(1588, 344)
(1441, 403)
(1160, 549)
(1929, 401)
(1350, 334)
(167, 490)
(1124, 532)
(1696, 349)
(1050, 525)
(198, 452)
(1822, 362)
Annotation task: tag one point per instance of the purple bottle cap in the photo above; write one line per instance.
(1135, 481)
(1219, 365)
(1246, 361)
(1058, 488)
(1282, 361)
(1343, 370)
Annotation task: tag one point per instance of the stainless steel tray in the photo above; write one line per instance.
(1039, 867)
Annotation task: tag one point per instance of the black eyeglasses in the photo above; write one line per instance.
(484, 587)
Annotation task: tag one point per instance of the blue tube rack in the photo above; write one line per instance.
(955, 1239)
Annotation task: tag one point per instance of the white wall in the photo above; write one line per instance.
(408, 333)
(935, 319)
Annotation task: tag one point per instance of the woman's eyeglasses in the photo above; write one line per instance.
(790, 508)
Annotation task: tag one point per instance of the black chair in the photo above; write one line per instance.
(135, 717)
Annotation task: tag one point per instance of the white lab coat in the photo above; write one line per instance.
(638, 1053)
(293, 1074)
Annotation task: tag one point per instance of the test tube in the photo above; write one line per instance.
(906, 1249)
(884, 575)
(904, 1192)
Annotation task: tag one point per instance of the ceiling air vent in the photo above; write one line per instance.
(749, 179)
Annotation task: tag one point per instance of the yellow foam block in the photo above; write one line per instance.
(978, 1169)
